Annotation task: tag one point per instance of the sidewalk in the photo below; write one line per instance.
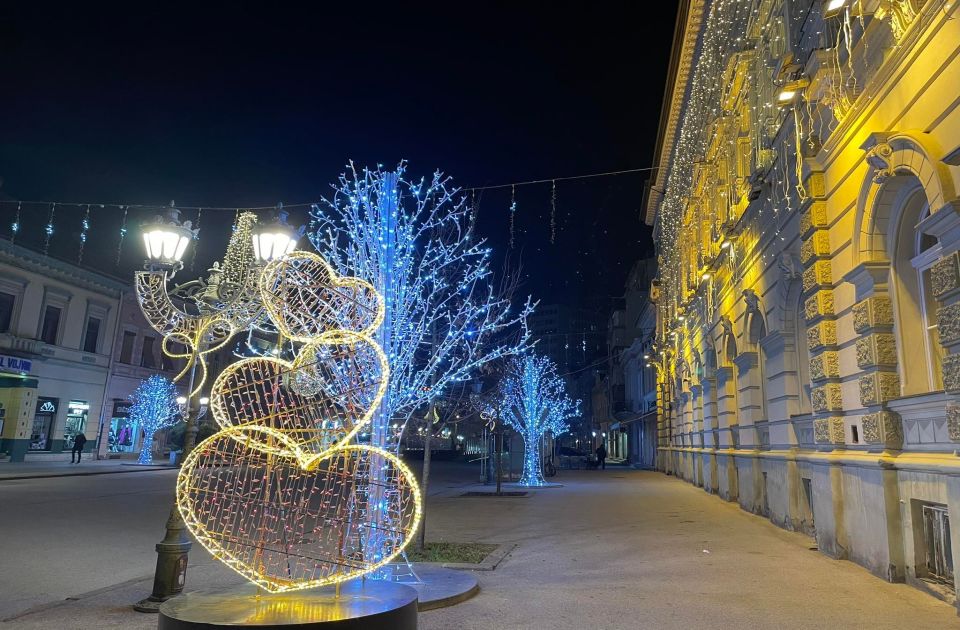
(609, 549)
(40, 470)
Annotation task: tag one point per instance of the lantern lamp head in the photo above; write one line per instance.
(276, 239)
(166, 240)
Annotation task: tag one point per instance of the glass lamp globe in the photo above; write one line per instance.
(165, 239)
(274, 240)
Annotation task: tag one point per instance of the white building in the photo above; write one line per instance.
(60, 340)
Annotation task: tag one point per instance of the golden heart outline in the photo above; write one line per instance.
(306, 462)
(225, 385)
(282, 314)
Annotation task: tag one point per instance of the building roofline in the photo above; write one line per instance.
(685, 33)
(30, 260)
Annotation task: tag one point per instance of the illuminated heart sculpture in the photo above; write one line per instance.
(319, 401)
(280, 494)
(297, 520)
(306, 298)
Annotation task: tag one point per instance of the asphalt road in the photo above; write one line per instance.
(64, 536)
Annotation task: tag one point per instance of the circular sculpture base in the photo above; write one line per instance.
(367, 604)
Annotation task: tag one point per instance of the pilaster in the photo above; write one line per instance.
(876, 349)
(815, 254)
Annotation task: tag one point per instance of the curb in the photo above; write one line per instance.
(491, 562)
(82, 474)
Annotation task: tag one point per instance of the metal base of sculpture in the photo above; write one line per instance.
(368, 604)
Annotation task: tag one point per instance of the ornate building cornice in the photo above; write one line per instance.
(29, 260)
(689, 23)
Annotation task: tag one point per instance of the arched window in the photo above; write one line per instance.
(915, 312)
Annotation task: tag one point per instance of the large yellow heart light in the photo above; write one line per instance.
(319, 401)
(297, 520)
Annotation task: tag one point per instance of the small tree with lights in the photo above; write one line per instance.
(535, 403)
(154, 408)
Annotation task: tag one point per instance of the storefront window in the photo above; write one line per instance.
(76, 422)
(124, 432)
(40, 438)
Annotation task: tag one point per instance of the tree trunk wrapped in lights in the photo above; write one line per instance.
(534, 404)
(154, 408)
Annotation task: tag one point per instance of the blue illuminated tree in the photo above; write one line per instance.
(534, 403)
(446, 315)
(155, 408)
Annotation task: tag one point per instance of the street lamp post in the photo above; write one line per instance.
(166, 242)
(226, 303)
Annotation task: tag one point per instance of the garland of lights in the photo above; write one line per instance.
(535, 403)
(279, 494)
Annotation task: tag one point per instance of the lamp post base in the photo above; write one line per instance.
(359, 604)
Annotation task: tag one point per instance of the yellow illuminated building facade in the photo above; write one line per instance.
(807, 221)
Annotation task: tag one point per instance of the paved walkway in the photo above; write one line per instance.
(611, 549)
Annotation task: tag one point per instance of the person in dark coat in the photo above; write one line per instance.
(78, 443)
(602, 457)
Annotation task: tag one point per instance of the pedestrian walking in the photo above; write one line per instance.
(602, 457)
(78, 443)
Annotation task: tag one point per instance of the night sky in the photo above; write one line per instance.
(244, 105)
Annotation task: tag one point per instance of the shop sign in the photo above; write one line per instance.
(77, 406)
(47, 405)
(15, 364)
(121, 408)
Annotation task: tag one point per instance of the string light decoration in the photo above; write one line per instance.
(298, 520)
(15, 226)
(48, 229)
(123, 235)
(410, 239)
(84, 228)
(279, 494)
(513, 213)
(535, 403)
(553, 212)
(153, 408)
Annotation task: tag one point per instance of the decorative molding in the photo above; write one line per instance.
(948, 324)
(951, 372)
(822, 334)
(883, 427)
(820, 304)
(879, 387)
(827, 397)
(868, 278)
(825, 366)
(819, 274)
(945, 276)
(878, 156)
(873, 312)
(953, 422)
(814, 217)
(828, 430)
(877, 349)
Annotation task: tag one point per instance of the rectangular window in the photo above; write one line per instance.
(51, 324)
(146, 354)
(92, 335)
(126, 347)
(6, 311)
